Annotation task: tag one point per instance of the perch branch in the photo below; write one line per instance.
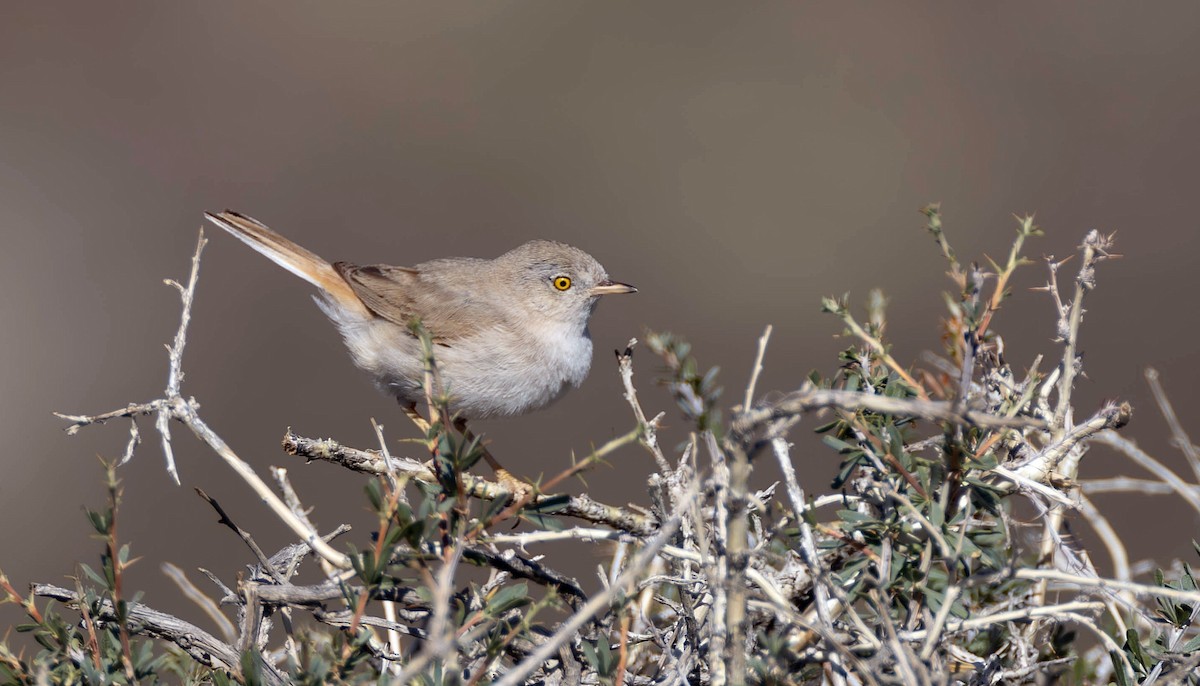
(371, 462)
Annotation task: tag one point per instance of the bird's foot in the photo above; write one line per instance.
(521, 490)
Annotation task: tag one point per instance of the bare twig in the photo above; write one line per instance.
(1096, 248)
(202, 600)
(958, 625)
(1044, 465)
(808, 544)
(262, 558)
(583, 615)
(1179, 436)
(757, 368)
(174, 406)
(809, 399)
(1187, 491)
(648, 428)
(370, 462)
(1076, 580)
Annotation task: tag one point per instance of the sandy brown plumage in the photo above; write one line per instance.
(512, 331)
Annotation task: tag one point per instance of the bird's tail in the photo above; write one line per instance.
(292, 257)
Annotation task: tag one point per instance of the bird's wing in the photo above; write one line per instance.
(400, 295)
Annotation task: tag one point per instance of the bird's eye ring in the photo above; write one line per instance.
(562, 283)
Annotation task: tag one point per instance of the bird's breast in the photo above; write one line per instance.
(506, 372)
(569, 351)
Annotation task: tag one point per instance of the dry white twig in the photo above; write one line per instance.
(599, 602)
(1179, 436)
(1127, 447)
(748, 402)
(174, 406)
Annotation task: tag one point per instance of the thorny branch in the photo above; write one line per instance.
(174, 406)
(372, 462)
(714, 583)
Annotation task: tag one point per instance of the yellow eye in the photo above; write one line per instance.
(562, 283)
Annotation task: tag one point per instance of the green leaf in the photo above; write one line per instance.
(855, 517)
(544, 522)
(393, 537)
(589, 654)
(91, 574)
(492, 508)
(100, 521)
(413, 533)
(1134, 648)
(605, 657)
(826, 427)
(839, 445)
(936, 514)
(550, 505)
(1119, 669)
(508, 598)
(844, 473)
(374, 491)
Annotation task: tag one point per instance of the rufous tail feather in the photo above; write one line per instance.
(292, 257)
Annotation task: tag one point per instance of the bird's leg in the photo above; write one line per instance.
(521, 489)
(410, 409)
(501, 472)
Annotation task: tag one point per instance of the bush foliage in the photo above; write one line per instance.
(910, 568)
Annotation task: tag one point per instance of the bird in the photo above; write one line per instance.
(510, 334)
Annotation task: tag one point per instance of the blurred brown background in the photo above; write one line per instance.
(735, 161)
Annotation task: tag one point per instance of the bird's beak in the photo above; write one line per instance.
(608, 287)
